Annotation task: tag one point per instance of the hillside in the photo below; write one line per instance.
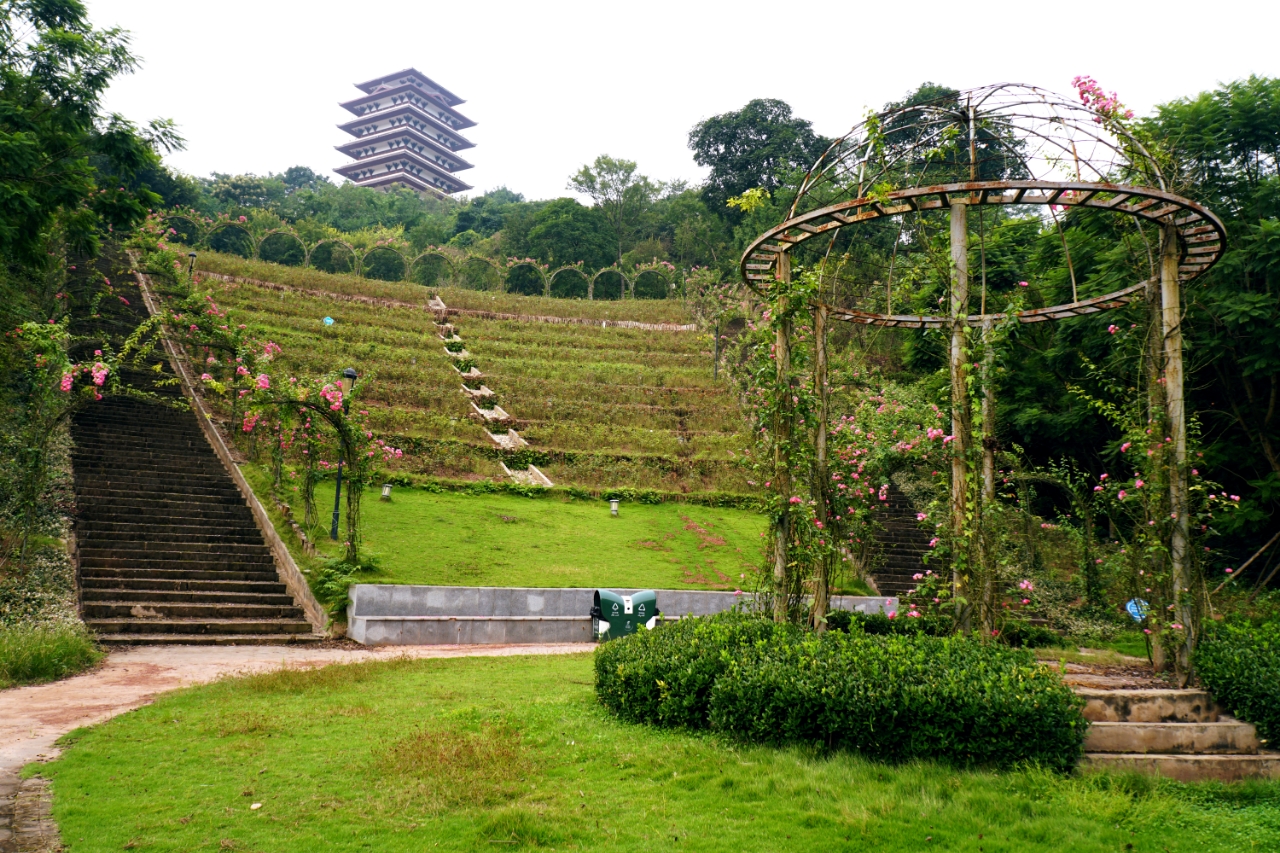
(601, 406)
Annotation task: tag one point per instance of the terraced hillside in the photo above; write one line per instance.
(601, 406)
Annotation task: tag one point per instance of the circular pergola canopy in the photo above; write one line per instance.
(1000, 145)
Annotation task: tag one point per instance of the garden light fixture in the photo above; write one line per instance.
(386, 491)
(613, 507)
(192, 265)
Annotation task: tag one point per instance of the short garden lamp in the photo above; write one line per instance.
(386, 491)
(349, 377)
(613, 507)
(192, 265)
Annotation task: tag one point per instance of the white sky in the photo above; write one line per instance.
(254, 85)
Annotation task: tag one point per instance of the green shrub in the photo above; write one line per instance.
(890, 697)
(1239, 663)
(1024, 635)
(31, 655)
(880, 625)
(900, 697)
(664, 676)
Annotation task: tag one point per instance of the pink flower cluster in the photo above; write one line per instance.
(1093, 97)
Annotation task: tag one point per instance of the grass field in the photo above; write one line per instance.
(501, 540)
(618, 407)
(502, 753)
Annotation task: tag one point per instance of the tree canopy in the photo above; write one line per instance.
(756, 146)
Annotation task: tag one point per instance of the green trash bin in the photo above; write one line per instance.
(614, 615)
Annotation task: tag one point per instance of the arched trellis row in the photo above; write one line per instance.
(1025, 147)
(432, 267)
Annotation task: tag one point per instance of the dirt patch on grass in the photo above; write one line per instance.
(446, 766)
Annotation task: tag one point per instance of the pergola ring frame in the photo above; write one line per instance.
(1202, 236)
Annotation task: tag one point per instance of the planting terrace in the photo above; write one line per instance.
(601, 402)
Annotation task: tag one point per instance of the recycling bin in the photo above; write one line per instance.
(614, 615)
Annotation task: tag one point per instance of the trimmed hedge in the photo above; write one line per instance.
(1239, 663)
(890, 697)
(664, 677)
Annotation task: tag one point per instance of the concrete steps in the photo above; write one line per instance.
(1180, 734)
(168, 550)
(903, 545)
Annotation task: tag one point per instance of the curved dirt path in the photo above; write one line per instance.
(33, 718)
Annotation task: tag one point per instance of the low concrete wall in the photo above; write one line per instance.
(387, 614)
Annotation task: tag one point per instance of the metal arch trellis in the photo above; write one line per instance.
(285, 232)
(540, 270)
(431, 253)
(627, 285)
(204, 231)
(576, 268)
(1024, 146)
(1202, 234)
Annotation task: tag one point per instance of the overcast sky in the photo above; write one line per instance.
(254, 85)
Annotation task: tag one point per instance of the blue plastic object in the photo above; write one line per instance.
(1137, 609)
(328, 321)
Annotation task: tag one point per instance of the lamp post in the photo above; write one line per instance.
(192, 265)
(349, 377)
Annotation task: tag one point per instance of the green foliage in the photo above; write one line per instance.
(880, 624)
(565, 232)
(892, 697)
(620, 194)
(33, 654)
(665, 677)
(54, 69)
(760, 145)
(1239, 663)
(335, 577)
(900, 698)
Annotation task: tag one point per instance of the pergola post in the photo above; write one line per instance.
(960, 418)
(1175, 413)
(823, 579)
(988, 469)
(781, 438)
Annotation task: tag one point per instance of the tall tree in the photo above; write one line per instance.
(756, 146)
(54, 69)
(1224, 149)
(621, 195)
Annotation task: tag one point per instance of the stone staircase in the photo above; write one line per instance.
(168, 550)
(903, 545)
(1180, 734)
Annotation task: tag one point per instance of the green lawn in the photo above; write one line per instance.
(502, 540)
(500, 753)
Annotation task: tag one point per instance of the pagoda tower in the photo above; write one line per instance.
(406, 131)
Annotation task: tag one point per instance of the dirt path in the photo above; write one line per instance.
(33, 718)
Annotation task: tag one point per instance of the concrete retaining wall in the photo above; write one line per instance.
(387, 614)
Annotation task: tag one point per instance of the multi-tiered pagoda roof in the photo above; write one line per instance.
(406, 132)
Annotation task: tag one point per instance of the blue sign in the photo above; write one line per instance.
(328, 321)
(1137, 609)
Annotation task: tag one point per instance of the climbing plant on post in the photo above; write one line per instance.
(1175, 413)
(961, 428)
(783, 427)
